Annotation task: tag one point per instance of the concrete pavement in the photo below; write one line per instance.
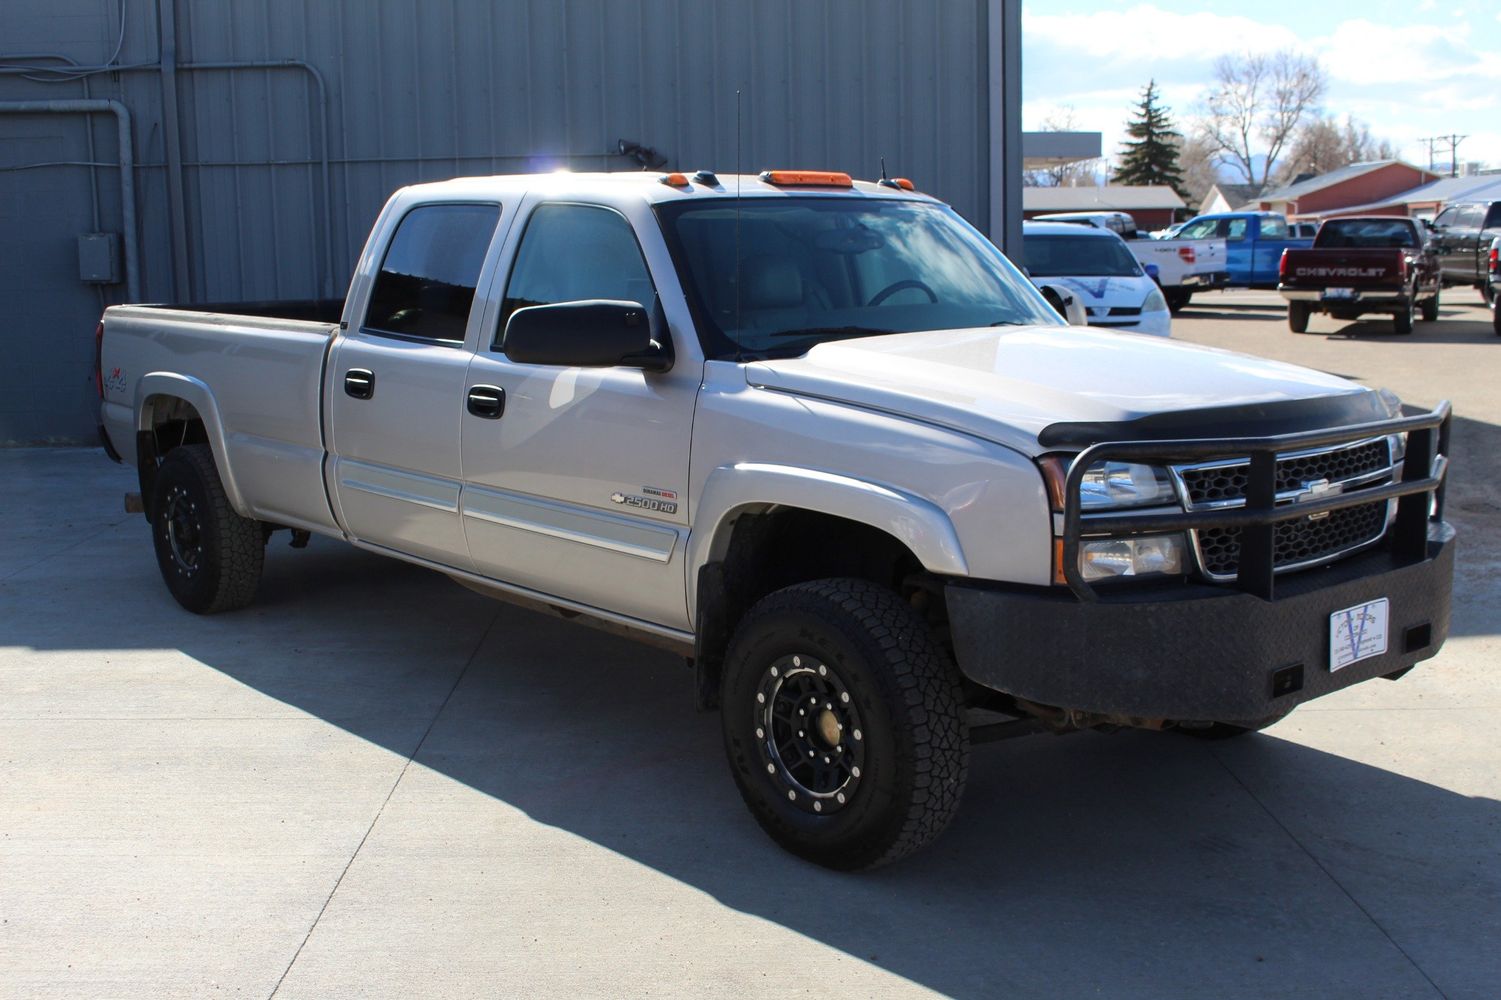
(375, 783)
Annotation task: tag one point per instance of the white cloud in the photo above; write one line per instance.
(1148, 34)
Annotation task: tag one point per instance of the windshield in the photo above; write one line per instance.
(1079, 257)
(818, 269)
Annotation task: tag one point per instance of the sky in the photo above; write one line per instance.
(1408, 68)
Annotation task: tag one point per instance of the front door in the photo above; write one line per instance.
(395, 387)
(576, 487)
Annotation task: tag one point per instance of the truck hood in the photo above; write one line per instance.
(1009, 385)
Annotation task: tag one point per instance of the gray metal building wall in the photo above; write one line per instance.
(266, 134)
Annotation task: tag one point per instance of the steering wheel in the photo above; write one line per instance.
(898, 286)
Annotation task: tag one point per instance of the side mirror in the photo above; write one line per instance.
(1065, 304)
(594, 333)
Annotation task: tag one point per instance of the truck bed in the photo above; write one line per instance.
(253, 371)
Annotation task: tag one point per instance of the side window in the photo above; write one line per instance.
(426, 283)
(1447, 217)
(1273, 229)
(574, 252)
(1469, 217)
(1493, 217)
(1234, 229)
(1200, 230)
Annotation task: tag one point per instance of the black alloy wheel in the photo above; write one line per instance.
(843, 723)
(209, 556)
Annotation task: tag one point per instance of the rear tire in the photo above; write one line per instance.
(210, 557)
(1496, 317)
(1430, 309)
(1403, 321)
(877, 767)
(1297, 316)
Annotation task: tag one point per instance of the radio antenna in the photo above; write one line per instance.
(883, 168)
(737, 217)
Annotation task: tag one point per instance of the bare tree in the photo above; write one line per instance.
(1084, 173)
(1323, 143)
(1256, 105)
(1199, 159)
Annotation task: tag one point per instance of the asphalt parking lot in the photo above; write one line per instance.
(375, 783)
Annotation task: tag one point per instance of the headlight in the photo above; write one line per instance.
(1155, 302)
(1149, 555)
(1109, 484)
(1124, 484)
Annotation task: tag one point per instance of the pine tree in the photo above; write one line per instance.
(1152, 158)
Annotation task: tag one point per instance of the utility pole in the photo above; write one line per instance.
(1453, 141)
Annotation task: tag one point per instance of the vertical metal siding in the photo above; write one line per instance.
(426, 89)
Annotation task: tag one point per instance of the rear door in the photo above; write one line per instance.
(577, 488)
(1444, 236)
(1466, 243)
(395, 385)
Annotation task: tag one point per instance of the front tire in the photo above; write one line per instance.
(1297, 316)
(210, 557)
(1177, 300)
(843, 723)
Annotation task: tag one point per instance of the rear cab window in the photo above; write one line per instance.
(1367, 233)
(426, 282)
(1273, 229)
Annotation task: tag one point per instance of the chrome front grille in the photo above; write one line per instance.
(1215, 484)
(1296, 543)
(1300, 475)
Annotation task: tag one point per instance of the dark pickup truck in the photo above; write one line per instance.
(1362, 265)
(1462, 234)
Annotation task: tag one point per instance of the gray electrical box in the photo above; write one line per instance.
(99, 258)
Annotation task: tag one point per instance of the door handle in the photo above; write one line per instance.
(488, 401)
(359, 383)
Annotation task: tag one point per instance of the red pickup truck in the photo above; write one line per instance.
(1361, 265)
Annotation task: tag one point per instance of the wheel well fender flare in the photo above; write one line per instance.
(155, 386)
(731, 490)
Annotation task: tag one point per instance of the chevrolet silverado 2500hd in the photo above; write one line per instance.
(1359, 265)
(826, 441)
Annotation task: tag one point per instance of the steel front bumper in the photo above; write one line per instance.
(1198, 653)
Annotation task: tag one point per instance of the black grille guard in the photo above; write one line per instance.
(1423, 472)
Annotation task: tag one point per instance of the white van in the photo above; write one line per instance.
(1098, 268)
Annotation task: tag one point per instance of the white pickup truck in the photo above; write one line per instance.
(823, 439)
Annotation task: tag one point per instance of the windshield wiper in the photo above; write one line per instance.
(833, 331)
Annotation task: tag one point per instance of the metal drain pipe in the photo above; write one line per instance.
(127, 167)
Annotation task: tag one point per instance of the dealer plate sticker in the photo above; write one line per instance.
(1358, 633)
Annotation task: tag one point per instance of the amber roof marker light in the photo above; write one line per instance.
(807, 178)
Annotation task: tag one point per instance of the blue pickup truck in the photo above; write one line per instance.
(1254, 242)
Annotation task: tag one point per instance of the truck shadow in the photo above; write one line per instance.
(1455, 325)
(1132, 864)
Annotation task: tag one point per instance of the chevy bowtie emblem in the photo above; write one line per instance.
(1316, 489)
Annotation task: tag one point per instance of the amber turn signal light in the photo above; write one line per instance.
(807, 178)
